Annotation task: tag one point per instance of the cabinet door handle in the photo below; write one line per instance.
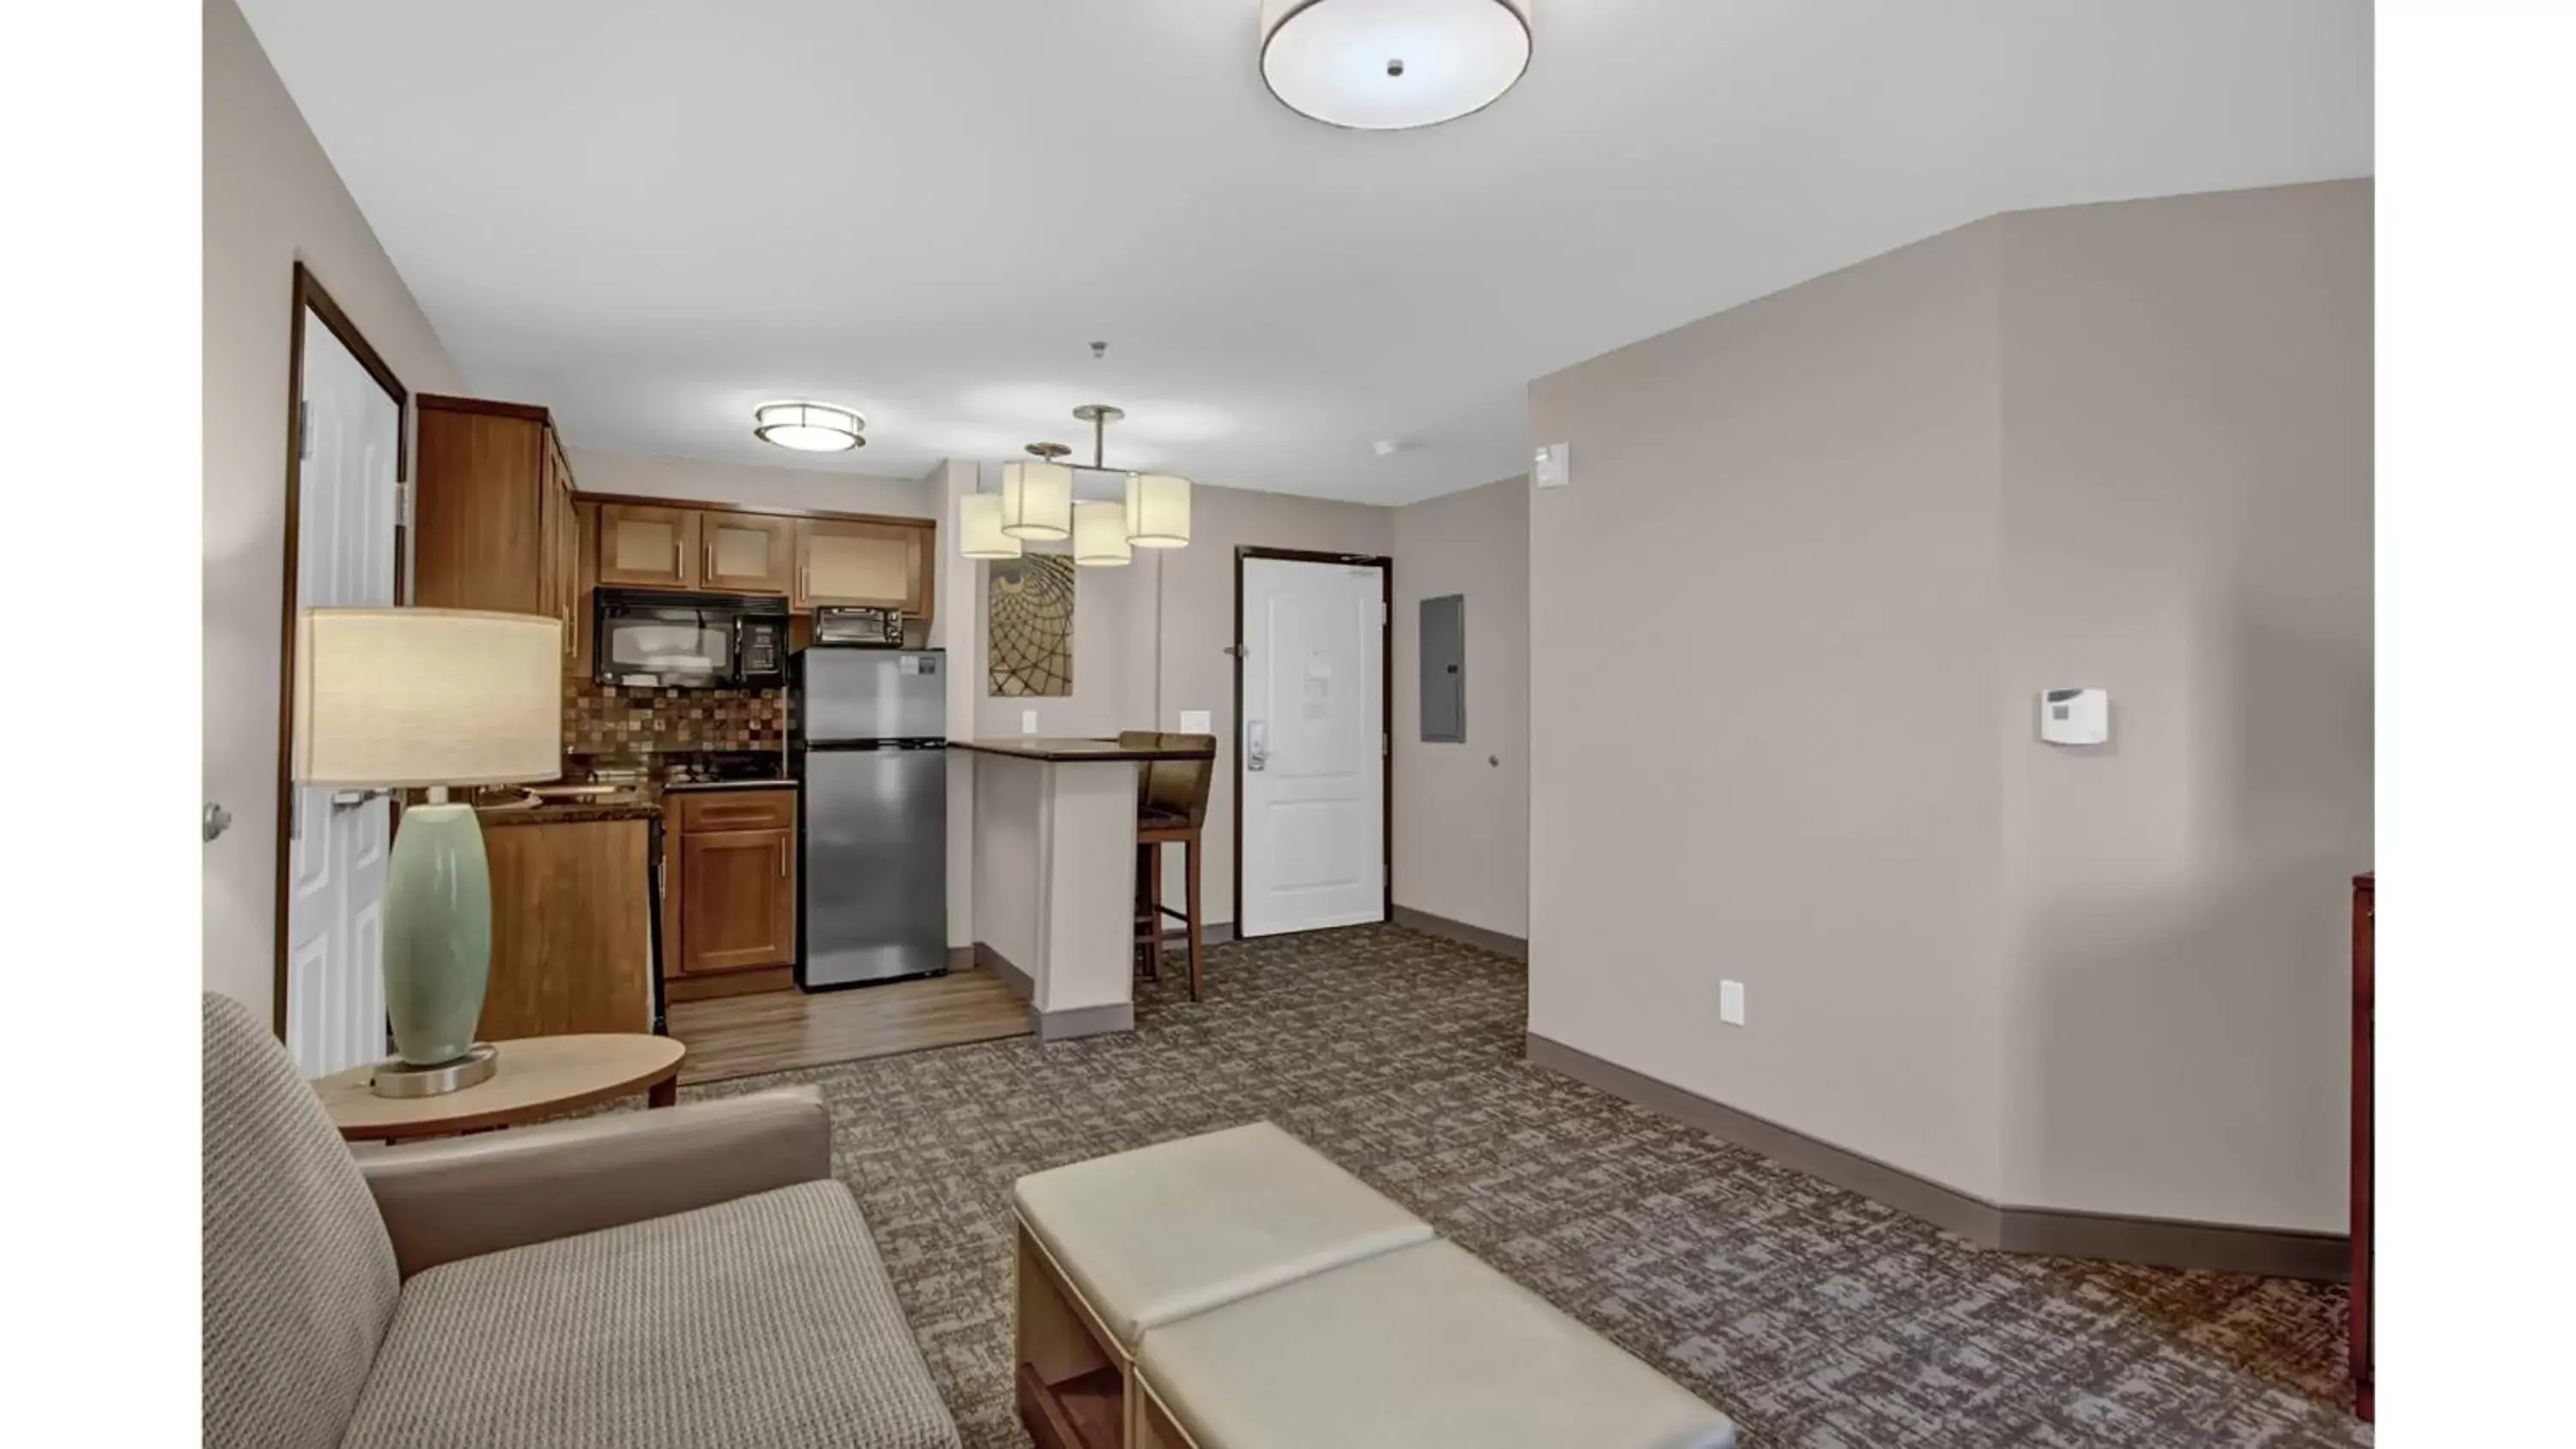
(709, 574)
(782, 860)
(675, 558)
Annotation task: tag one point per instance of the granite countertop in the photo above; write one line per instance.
(621, 806)
(1062, 750)
(687, 786)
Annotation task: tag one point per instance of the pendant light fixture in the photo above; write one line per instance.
(1036, 505)
(1158, 510)
(1391, 65)
(1037, 497)
(1100, 534)
(979, 528)
(808, 427)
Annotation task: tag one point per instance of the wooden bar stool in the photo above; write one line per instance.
(1171, 809)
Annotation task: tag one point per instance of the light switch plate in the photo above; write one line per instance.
(1197, 722)
(1553, 466)
(1730, 1002)
(1028, 721)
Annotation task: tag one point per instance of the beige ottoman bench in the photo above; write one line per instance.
(1113, 1249)
(1422, 1348)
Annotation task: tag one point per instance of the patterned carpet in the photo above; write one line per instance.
(1813, 1316)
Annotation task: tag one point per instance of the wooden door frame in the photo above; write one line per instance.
(308, 295)
(1385, 566)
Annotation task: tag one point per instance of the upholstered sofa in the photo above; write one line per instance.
(685, 1277)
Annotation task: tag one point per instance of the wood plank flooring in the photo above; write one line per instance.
(741, 1036)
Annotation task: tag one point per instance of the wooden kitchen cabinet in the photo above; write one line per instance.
(729, 893)
(493, 517)
(572, 946)
(877, 565)
(738, 908)
(745, 553)
(648, 545)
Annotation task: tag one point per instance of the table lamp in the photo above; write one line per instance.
(434, 697)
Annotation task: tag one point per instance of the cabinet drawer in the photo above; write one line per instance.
(703, 810)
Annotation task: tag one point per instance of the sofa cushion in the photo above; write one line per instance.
(299, 1275)
(1422, 1348)
(763, 1321)
(1157, 1234)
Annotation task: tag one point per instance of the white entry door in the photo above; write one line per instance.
(1313, 746)
(338, 842)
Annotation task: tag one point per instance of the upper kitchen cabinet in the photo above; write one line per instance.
(745, 553)
(886, 565)
(493, 524)
(648, 545)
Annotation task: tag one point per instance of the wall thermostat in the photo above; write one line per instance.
(2075, 716)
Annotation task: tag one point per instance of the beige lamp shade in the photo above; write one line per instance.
(1158, 510)
(1037, 501)
(979, 528)
(427, 697)
(1100, 535)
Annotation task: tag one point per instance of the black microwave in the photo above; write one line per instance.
(694, 641)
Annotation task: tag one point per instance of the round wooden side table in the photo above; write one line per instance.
(537, 1076)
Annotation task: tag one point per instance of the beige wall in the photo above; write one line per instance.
(271, 199)
(2187, 489)
(1462, 810)
(1821, 553)
(1764, 633)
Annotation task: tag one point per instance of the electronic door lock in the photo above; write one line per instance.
(1256, 744)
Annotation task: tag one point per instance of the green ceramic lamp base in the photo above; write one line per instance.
(438, 933)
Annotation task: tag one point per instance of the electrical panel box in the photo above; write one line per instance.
(1444, 670)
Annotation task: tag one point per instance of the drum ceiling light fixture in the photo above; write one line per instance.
(1392, 65)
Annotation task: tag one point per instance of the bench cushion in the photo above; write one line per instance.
(1416, 1349)
(1151, 1236)
(764, 1321)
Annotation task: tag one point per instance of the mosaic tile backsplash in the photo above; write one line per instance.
(611, 719)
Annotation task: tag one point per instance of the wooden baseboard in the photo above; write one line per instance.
(1516, 947)
(2156, 1242)
(728, 983)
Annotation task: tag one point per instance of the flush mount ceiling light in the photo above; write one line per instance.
(808, 427)
(1391, 65)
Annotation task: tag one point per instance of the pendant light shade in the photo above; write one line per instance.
(979, 528)
(1158, 510)
(1100, 535)
(1390, 65)
(1037, 501)
(808, 427)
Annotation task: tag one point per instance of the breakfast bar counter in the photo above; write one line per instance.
(1055, 874)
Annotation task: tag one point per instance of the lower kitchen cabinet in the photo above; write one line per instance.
(572, 922)
(738, 900)
(730, 898)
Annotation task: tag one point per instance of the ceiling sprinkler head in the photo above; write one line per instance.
(1395, 67)
(1099, 350)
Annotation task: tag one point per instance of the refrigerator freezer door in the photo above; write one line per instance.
(875, 694)
(876, 865)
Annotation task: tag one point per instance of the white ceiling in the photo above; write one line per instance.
(650, 216)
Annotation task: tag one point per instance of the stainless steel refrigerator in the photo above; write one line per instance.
(871, 743)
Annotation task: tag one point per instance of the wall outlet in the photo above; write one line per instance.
(1028, 721)
(1197, 722)
(1730, 1002)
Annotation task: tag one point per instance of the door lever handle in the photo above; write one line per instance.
(352, 799)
